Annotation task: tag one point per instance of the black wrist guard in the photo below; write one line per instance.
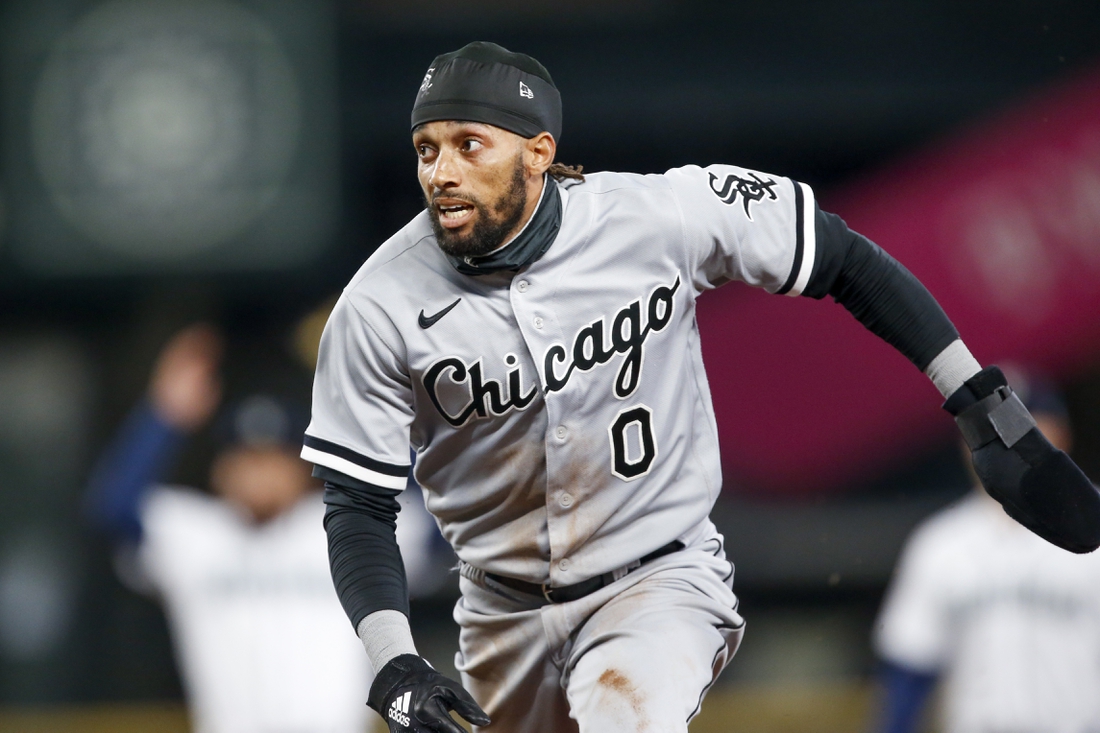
(414, 698)
(1038, 485)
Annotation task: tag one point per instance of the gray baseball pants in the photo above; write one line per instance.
(637, 655)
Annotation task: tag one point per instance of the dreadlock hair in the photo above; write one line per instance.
(560, 172)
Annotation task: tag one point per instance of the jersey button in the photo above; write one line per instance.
(561, 432)
(538, 322)
(522, 286)
(566, 500)
(564, 565)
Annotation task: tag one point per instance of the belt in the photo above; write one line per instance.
(568, 593)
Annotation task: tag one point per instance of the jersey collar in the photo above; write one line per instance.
(528, 246)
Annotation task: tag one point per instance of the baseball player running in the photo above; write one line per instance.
(532, 335)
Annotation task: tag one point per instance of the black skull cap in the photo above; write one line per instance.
(484, 82)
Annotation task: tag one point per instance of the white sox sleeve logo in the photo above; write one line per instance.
(751, 189)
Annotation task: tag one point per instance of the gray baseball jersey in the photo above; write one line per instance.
(561, 416)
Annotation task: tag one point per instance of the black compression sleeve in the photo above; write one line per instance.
(361, 521)
(878, 290)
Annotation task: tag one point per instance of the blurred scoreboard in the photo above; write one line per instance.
(152, 136)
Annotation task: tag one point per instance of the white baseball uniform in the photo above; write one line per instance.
(262, 641)
(1010, 621)
(563, 427)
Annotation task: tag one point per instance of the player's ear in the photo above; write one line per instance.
(539, 153)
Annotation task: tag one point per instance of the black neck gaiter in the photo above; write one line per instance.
(529, 246)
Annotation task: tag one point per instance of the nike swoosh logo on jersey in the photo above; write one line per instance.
(429, 321)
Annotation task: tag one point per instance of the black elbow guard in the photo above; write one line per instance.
(1038, 485)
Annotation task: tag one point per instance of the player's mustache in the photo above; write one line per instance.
(456, 196)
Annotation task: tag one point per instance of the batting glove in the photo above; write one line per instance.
(414, 698)
(1038, 485)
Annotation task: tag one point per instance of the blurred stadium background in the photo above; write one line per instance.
(164, 162)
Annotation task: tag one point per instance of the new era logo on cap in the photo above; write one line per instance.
(525, 91)
(399, 709)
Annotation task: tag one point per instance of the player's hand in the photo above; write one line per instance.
(414, 698)
(1038, 485)
(185, 388)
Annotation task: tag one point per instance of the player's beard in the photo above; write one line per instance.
(492, 223)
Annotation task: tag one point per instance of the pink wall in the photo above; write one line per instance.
(1001, 222)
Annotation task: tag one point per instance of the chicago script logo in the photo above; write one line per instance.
(593, 345)
(501, 400)
(627, 336)
(751, 190)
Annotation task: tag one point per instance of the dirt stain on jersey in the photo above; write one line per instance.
(585, 471)
(619, 686)
(582, 476)
(523, 466)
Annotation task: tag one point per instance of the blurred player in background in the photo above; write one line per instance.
(1007, 622)
(260, 637)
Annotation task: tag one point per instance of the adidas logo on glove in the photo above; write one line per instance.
(400, 708)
